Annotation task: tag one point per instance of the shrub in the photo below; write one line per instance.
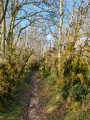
(7, 83)
(34, 64)
(79, 92)
(44, 73)
(76, 70)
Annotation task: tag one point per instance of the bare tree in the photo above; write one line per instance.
(4, 10)
(60, 42)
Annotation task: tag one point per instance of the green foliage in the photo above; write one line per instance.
(76, 75)
(79, 92)
(65, 90)
(76, 70)
(14, 67)
(19, 98)
(7, 83)
(44, 69)
(9, 72)
(43, 72)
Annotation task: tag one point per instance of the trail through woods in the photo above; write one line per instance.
(34, 109)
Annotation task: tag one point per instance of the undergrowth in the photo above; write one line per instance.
(67, 103)
(15, 105)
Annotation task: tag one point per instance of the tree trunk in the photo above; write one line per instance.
(2, 30)
(60, 43)
(14, 11)
(70, 25)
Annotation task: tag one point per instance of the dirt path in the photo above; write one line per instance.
(34, 109)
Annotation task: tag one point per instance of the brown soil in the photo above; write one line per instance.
(34, 109)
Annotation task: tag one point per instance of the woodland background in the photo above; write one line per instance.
(54, 38)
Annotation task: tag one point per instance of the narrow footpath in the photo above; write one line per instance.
(34, 109)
